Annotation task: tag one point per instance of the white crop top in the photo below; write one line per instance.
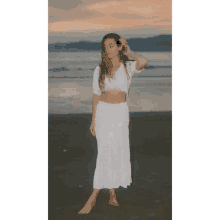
(120, 80)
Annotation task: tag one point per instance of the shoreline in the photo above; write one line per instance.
(90, 51)
(144, 113)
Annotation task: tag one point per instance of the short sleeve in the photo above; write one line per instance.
(132, 67)
(96, 88)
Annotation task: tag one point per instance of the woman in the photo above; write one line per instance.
(110, 121)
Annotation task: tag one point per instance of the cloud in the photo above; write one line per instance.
(53, 18)
(71, 4)
(141, 10)
(72, 15)
(109, 15)
(65, 4)
(105, 5)
(127, 16)
(81, 13)
(163, 20)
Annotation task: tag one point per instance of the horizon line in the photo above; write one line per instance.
(99, 41)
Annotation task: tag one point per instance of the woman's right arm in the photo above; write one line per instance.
(96, 98)
(96, 92)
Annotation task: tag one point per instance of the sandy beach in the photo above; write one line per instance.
(72, 160)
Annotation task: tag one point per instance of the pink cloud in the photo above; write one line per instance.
(100, 15)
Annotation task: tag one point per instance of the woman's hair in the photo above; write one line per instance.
(106, 64)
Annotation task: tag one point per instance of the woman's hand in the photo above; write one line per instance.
(127, 51)
(92, 128)
(123, 41)
(125, 48)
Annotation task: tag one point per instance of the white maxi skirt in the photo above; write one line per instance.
(113, 166)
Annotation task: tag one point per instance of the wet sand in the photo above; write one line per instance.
(72, 158)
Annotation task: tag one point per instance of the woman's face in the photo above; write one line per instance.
(111, 47)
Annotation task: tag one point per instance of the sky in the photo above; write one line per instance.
(91, 19)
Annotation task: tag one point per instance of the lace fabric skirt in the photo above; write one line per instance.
(113, 167)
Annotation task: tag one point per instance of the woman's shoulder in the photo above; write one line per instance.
(132, 67)
(130, 62)
(97, 69)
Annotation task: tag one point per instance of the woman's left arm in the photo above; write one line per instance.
(141, 61)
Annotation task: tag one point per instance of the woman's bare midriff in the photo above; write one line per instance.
(113, 97)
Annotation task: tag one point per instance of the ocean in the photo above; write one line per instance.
(71, 74)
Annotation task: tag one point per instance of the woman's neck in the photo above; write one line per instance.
(115, 62)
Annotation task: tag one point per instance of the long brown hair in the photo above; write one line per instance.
(106, 64)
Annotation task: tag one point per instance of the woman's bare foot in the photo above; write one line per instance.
(113, 202)
(90, 203)
(87, 207)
